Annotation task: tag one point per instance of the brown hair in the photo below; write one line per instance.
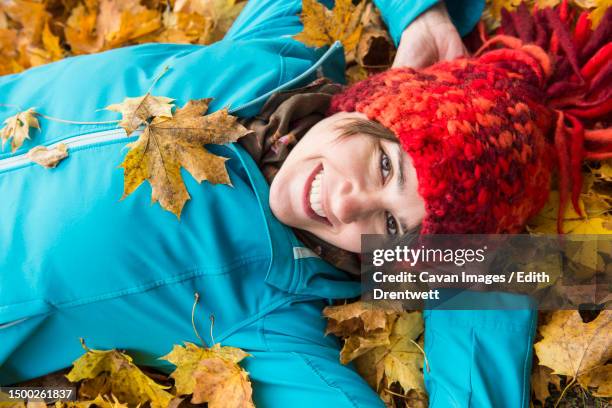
(355, 126)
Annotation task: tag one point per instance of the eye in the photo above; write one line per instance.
(385, 164)
(390, 224)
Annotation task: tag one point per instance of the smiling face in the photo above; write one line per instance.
(338, 186)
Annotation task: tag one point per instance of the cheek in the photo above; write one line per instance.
(349, 238)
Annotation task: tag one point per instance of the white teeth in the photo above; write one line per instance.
(315, 195)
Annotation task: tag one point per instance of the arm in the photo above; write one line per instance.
(398, 14)
(266, 19)
(425, 32)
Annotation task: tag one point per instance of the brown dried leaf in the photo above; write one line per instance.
(167, 145)
(108, 24)
(573, 348)
(18, 127)
(359, 316)
(541, 377)
(400, 361)
(217, 14)
(212, 375)
(375, 48)
(323, 26)
(599, 378)
(46, 157)
(115, 374)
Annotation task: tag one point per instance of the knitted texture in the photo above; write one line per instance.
(485, 133)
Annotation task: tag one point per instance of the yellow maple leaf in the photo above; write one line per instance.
(108, 24)
(573, 348)
(344, 320)
(323, 26)
(599, 378)
(400, 361)
(167, 145)
(218, 16)
(46, 157)
(18, 127)
(137, 111)
(545, 221)
(114, 373)
(212, 375)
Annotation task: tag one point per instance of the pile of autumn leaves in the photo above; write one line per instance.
(35, 32)
(385, 344)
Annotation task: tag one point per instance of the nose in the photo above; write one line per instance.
(353, 203)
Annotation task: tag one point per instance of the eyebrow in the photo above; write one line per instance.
(400, 181)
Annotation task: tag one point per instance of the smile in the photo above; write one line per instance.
(313, 196)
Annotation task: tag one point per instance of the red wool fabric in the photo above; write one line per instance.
(485, 134)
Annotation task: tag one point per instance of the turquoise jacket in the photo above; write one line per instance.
(77, 261)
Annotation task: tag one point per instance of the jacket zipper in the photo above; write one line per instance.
(71, 143)
(115, 134)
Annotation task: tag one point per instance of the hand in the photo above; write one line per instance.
(430, 38)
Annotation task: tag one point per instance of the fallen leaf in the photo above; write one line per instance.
(344, 320)
(356, 345)
(404, 360)
(46, 157)
(109, 24)
(218, 15)
(167, 145)
(545, 221)
(99, 401)
(375, 48)
(212, 375)
(323, 26)
(599, 378)
(222, 384)
(137, 111)
(573, 348)
(604, 171)
(18, 127)
(116, 374)
(541, 378)
(400, 360)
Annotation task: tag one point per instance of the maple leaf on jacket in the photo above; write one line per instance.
(212, 375)
(168, 144)
(18, 127)
(137, 111)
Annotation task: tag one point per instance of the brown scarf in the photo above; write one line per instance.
(282, 122)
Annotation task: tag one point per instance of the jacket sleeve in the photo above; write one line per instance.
(398, 14)
(269, 18)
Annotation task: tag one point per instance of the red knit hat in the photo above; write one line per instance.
(485, 133)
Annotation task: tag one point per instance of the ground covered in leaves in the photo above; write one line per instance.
(572, 350)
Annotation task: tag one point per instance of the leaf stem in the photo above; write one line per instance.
(158, 77)
(424, 355)
(212, 326)
(564, 390)
(82, 340)
(195, 330)
(396, 394)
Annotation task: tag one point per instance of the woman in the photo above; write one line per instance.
(78, 263)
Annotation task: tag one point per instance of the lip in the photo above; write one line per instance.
(306, 197)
